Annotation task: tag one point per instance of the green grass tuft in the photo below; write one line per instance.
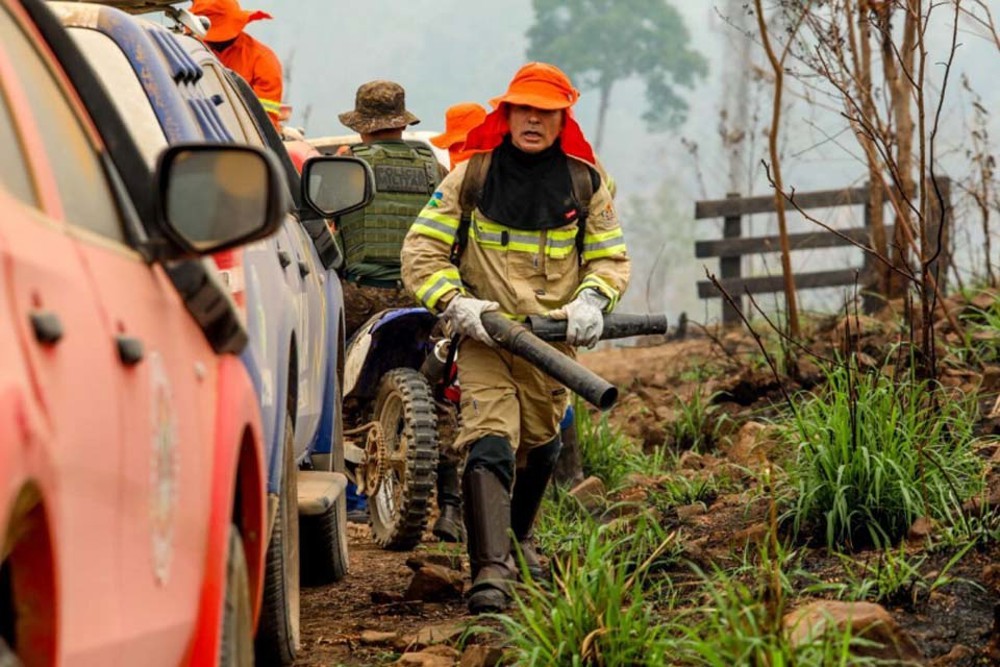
(875, 454)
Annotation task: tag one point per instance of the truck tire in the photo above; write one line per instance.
(278, 634)
(324, 551)
(405, 409)
(324, 545)
(237, 613)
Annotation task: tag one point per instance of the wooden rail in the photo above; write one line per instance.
(733, 246)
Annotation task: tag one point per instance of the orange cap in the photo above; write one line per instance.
(458, 120)
(227, 17)
(539, 85)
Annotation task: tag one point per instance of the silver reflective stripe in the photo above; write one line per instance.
(489, 236)
(561, 243)
(607, 243)
(523, 238)
(439, 226)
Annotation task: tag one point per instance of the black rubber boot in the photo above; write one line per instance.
(487, 524)
(448, 527)
(529, 489)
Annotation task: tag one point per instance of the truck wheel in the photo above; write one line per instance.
(237, 614)
(406, 412)
(278, 634)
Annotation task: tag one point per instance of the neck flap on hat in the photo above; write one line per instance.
(492, 131)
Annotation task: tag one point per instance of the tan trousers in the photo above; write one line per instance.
(504, 395)
(363, 301)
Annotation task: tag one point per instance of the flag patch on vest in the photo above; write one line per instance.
(436, 199)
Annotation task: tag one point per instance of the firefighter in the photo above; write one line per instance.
(525, 226)
(458, 120)
(405, 178)
(241, 53)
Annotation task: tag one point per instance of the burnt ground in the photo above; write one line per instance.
(950, 618)
(335, 617)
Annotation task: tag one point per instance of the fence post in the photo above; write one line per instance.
(871, 285)
(731, 267)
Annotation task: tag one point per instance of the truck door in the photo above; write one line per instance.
(68, 355)
(165, 377)
(156, 366)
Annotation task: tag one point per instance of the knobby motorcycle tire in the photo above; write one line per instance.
(419, 425)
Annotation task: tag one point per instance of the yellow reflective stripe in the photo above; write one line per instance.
(562, 234)
(609, 251)
(439, 284)
(436, 226)
(270, 106)
(604, 244)
(445, 220)
(593, 281)
(522, 247)
(560, 243)
(603, 236)
(560, 253)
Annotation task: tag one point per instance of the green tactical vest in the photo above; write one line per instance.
(406, 175)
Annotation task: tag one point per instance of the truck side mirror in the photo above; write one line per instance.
(333, 185)
(215, 196)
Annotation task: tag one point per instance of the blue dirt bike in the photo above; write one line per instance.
(392, 418)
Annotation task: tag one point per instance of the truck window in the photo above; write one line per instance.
(80, 178)
(126, 92)
(14, 173)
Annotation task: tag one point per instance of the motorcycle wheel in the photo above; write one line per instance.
(405, 410)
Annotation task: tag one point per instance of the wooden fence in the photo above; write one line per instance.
(733, 246)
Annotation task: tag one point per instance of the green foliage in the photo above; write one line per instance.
(562, 522)
(875, 454)
(600, 42)
(605, 452)
(739, 626)
(983, 328)
(694, 428)
(681, 490)
(892, 577)
(596, 611)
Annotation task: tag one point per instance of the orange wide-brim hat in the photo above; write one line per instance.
(227, 17)
(541, 86)
(458, 120)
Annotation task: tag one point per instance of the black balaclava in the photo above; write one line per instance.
(530, 191)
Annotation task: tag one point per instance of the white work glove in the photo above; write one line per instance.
(465, 313)
(584, 317)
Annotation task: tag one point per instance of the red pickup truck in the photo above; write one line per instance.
(132, 507)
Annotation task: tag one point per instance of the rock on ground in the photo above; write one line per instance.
(862, 619)
(434, 583)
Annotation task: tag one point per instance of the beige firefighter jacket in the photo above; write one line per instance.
(526, 272)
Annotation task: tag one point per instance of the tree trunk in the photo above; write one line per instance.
(879, 281)
(777, 66)
(602, 111)
(898, 73)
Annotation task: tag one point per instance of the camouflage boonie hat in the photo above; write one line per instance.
(379, 105)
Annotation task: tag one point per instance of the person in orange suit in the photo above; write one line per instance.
(241, 53)
(458, 120)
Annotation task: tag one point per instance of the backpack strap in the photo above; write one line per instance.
(582, 177)
(468, 199)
